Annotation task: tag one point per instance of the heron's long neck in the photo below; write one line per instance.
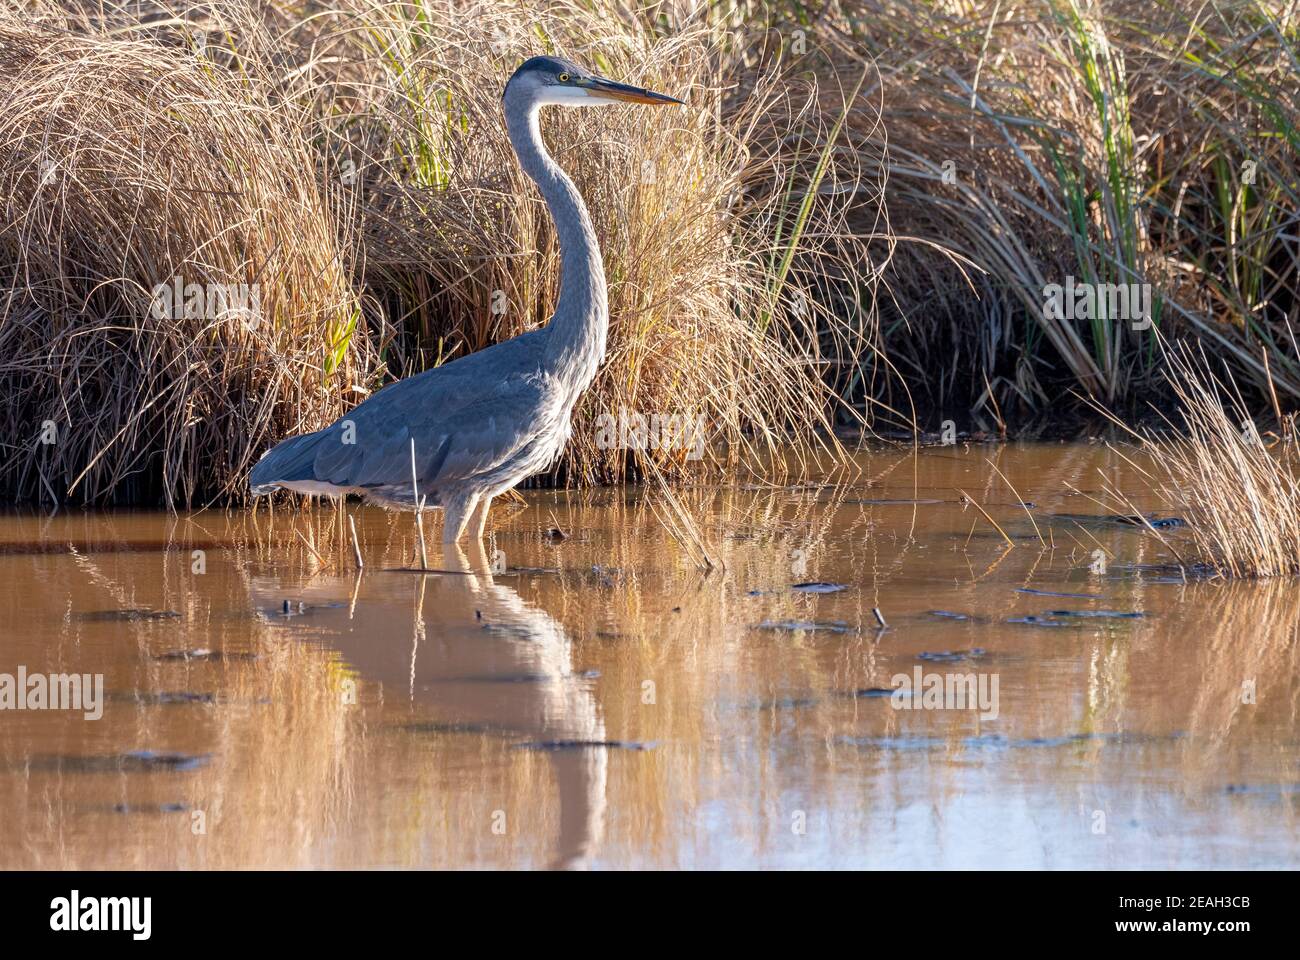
(578, 329)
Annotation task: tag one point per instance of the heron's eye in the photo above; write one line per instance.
(563, 78)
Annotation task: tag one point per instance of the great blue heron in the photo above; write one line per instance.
(485, 421)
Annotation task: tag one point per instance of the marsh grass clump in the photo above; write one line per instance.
(1117, 142)
(175, 290)
(352, 164)
(1238, 486)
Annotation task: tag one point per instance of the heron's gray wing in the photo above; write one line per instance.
(291, 459)
(466, 418)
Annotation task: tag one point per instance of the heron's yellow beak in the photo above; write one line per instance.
(609, 90)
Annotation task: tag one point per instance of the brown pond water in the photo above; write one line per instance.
(400, 720)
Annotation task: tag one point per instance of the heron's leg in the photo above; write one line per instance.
(478, 522)
(479, 560)
(453, 558)
(455, 515)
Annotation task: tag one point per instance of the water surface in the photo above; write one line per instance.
(599, 701)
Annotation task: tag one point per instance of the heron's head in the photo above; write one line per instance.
(540, 81)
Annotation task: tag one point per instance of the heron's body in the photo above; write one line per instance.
(484, 422)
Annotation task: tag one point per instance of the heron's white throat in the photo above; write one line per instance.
(562, 96)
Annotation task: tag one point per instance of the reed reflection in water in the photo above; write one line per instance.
(599, 701)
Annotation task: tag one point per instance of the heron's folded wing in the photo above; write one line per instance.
(453, 440)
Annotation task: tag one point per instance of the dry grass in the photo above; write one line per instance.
(1238, 489)
(775, 256)
(354, 163)
(123, 166)
(1115, 142)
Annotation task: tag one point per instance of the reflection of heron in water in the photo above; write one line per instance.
(510, 671)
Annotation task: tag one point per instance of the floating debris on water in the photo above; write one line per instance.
(1118, 519)
(150, 808)
(949, 615)
(204, 654)
(894, 503)
(787, 703)
(953, 656)
(520, 677)
(895, 743)
(298, 608)
(556, 745)
(865, 693)
(1033, 621)
(164, 698)
(1168, 523)
(1103, 614)
(130, 615)
(1001, 742)
(508, 628)
(476, 729)
(1164, 572)
(792, 626)
(605, 576)
(807, 485)
(1054, 593)
(1124, 739)
(818, 586)
(1263, 789)
(136, 761)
